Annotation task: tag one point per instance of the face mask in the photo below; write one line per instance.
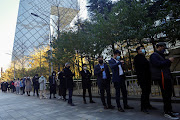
(68, 67)
(54, 74)
(118, 57)
(85, 68)
(100, 61)
(143, 51)
(163, 51)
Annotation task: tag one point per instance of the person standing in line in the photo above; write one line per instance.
(118, 78)
(8, 86)
(17, 85)
(28, 87)
(160, 69)
(62, 85)
(142, 67)
(42, 82)
(36, 85)
(69, 82)
(23, 82)
(103, 80)
(86, 83)
(52, 84)
(21, 86)
(11, 86)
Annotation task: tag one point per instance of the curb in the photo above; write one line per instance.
(174, 99)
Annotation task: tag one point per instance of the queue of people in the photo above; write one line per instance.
(156, 69)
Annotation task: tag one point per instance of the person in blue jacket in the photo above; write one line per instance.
(118, 78)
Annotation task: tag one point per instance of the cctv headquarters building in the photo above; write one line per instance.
(37, 21)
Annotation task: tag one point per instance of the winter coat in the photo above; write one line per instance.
(28, 85)
(68, 78)
(160, 64)
(142, 67)
(42, 83)
(86, 82)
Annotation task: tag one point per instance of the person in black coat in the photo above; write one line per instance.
(101, 71)
(52, 84)
(62, 86)
(86, 83)
(142, 67)
(160, 69)
(69, 82)
(35, 81)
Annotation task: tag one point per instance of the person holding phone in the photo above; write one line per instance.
(103, 80)
(160, 72)
(118, 78)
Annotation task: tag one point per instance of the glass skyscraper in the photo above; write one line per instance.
(32, 32)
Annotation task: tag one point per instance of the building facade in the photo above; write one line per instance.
(34, 31)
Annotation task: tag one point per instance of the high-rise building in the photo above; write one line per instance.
(33, 31)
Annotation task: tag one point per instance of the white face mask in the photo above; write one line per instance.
(85, 68)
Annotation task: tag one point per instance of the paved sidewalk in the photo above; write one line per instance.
(22, 107)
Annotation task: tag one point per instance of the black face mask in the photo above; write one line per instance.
(100, 61)
(68, 67)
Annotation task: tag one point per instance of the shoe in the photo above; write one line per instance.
(152, 108)
(92, 101)
(128, 107)
(170, 116)
(59, 97)
(45, 97)
(85, 102)
(111, 107)
(120, 109)
(145, 111)
(105, 107)
(50, 97)
(71, 104)
(174, 113)
(54, 97)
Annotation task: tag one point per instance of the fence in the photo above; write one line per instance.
(133, 89)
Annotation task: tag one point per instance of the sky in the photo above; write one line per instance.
(8, 18)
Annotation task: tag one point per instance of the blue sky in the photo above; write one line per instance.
(8, 18)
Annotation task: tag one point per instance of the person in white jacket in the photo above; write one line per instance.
(42, 85)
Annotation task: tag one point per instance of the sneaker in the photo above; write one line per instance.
(171, 116)
(59, 97)
(175, 113)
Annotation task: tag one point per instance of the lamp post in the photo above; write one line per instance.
(50, 38)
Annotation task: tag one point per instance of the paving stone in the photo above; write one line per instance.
(22, 107)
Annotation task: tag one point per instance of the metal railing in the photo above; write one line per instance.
(133, 89)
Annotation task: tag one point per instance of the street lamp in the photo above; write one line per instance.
(50, 38)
